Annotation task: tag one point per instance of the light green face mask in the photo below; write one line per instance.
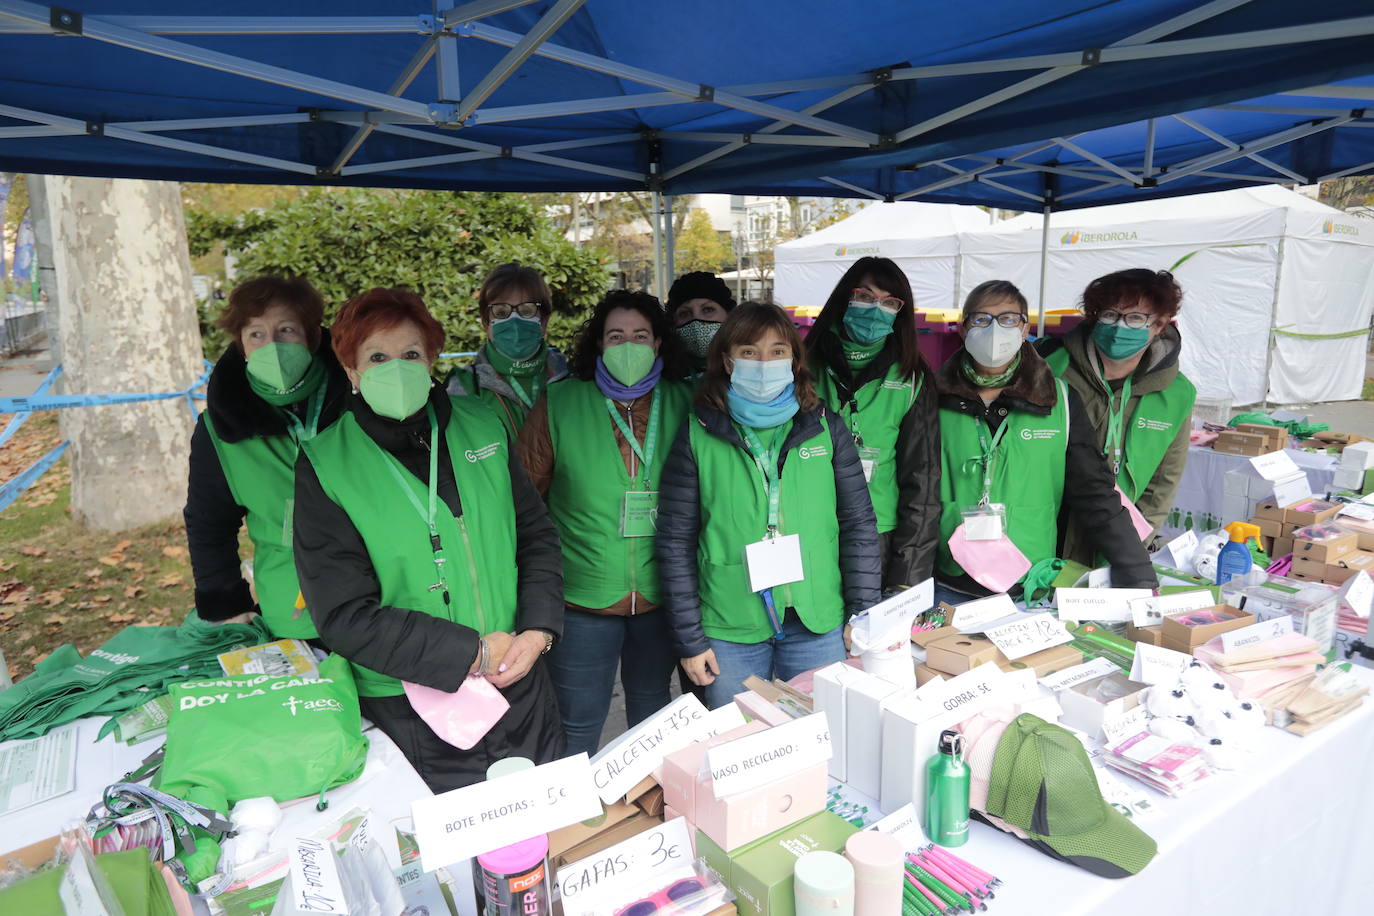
(396, 388)
(628, 362)
(279, 366)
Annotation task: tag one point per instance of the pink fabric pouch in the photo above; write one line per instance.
(461, 718)
(994, 564)
(1143, 529)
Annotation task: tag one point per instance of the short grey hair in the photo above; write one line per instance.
(992, 291)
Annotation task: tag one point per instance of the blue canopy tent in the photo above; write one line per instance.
(888, 100)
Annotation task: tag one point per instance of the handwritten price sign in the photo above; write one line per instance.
(598, 883)
(1031, 633)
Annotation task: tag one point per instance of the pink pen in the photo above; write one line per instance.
(959, 869)
(974, 900)
(929, 895)
(948, 856)
(954, 877)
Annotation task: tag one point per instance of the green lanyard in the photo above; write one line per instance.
(1116, 421)
(645, 454)
(428, 515)
(985, 459)
(303, 432)
(767, 462)
(526, 397)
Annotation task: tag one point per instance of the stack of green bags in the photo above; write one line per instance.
(123, 673)
(135, 880)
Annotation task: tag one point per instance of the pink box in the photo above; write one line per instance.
(680, 769)
(757, 707)
(738, 819)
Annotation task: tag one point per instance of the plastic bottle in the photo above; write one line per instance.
(947, 781)
(503, 767)
(1234, 559)
(515, 879)
(824, 885)
(877, 859)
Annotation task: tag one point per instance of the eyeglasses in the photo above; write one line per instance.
(1006, 320)
(663, 901)
(887, 303)
(1133, 320)
(502, 310)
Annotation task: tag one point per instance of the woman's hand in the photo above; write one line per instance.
(702, 669)
(519, 658)
(498, 644)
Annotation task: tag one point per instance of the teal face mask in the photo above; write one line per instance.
(516, 337)
(279, 366)
(396, 388)
(867, 323)
(629, 362)
(1116, 341)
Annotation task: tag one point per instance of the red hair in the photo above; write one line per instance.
(377, 310)
(253, 297)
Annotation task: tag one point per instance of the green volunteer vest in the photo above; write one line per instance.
(587, 492)
(734, 512)
(511, 411)
(1150, 430)
(1027, 477)
(261, 473)
(882, 404)
(479, 544)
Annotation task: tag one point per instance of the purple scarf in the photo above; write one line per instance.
(612, 388)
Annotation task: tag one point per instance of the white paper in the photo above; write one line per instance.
(1183, 547)
(1100, 577)
(982, 527)
(315, 884)
(1105, 605)
(1256, 633)
(606, 880)
(640, 751)
(1358, 592)
(37, 769)
(466, 822)
(767, 756)
(972, 616)
(1078, 674)
(1158, 665)
(1128, 724)
(890, 620)
(1293, 490)
(420, 891)
(905, 826)
(773, 561)
(726, 718)
(1274, 465)
(1360, 510)
(867, 464)
(1151, 611)
(1029, 633)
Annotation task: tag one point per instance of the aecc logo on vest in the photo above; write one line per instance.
(1029, 434)
(480, 454)
(813, 451)
(1154, 425)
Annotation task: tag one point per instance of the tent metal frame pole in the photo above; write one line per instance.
(448, 86)
(1098, 160)
(1044, 268)
(1344, 172)
(213, 123)
(520, 52)
(1283, 110)
(1148, 160)
(972, 174)
(399, 85)
(495, 151)
(669, 246)
(1184, 169)
(246, 25)
(839, 183)
(1274, 311)
(777, 139)
(480, 9)
(656, 228)
(1231, 144)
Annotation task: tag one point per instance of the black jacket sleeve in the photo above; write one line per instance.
(341, 589)
(679, 526)
(538, 557)
(913, 543)
(213, 518)
(1090, 495)
(861, 565)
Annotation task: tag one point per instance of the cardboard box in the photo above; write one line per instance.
(631, 826)
(651, 802)
(924, 638)
(1182, 635)
(863, 726)
(1269, 509)
(1283, 547)
(1233, 442)
(1310, 511)
(1152, 635)
(1276, 437)
(1269, 528)
(1339, 570)
(1327, 550)
(780, 693)
(1309, 568)
(1085, 710)
(565, 838)
(755, 706)
(925, 674)
(760, 874)
(1046, 661)
(963, 652)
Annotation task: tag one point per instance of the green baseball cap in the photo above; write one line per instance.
(1043, 783)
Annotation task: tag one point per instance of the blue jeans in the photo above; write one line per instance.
(799, 650)
(951, 596)
(583, 666)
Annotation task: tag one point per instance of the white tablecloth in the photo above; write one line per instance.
(1291, 833)
(1198, 502)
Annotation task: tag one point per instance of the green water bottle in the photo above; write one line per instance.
(947, 792)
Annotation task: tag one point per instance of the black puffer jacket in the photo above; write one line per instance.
(213, 517)
(679, 521)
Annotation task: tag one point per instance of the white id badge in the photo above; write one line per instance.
(773, 561)
(984, 523)
(868, 459)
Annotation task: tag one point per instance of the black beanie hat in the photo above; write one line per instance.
(700, 284)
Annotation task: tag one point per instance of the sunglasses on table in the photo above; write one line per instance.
(887, 303)
(664, 902)
(502, 310)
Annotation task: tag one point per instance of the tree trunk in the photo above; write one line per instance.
(127, 324)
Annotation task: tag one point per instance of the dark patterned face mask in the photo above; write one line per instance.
(696, 336)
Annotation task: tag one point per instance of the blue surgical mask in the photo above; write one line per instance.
(760, 380)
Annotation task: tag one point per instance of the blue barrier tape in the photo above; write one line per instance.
(13, 425)
(12, 489)
(455, 355)
(36, 401)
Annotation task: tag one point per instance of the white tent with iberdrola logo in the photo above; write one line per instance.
(922, 238)
(1278, 288)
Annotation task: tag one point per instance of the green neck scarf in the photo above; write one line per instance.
(536, 365)
(990, 381)
(310, 383)
(856, 354)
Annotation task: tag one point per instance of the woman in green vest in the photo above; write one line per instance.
(698, 302)
(1016, 447)
(767, 543)
(276, 385)
(424, 552)
(862, 351)
(1123, 361)
(514, 365)
(594, 447)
